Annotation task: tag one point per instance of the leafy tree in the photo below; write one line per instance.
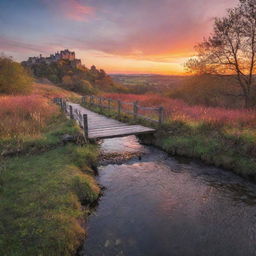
(231, 49)
(14, 78)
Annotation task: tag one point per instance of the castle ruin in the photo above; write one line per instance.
(62, 55)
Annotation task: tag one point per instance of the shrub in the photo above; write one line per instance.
(14, 79)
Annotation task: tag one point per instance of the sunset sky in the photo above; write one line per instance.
(120, 36)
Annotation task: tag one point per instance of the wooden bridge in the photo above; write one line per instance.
(97, 126)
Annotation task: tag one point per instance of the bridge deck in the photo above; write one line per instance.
(101, 127)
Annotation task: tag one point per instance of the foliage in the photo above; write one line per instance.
(14, 79)
(78, 79)
(231, 49)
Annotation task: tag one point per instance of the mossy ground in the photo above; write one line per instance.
(42, 190)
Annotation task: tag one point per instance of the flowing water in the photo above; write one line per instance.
(165, 206)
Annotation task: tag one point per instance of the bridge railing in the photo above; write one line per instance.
(152, 114)
(74, 113)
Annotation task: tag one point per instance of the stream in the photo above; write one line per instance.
(164, 206)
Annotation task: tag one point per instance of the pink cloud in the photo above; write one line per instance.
(77, 11)
(70, 9)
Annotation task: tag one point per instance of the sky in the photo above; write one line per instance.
(120, 36)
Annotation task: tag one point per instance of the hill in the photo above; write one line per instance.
(67, 72)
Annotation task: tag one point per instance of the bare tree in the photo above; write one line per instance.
(230, 50)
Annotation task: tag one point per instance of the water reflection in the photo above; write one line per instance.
(163, 206)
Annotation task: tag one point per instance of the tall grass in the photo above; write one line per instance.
(179, 110)
(51, 91)
(24, 115)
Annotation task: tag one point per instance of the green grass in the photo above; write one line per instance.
(42, 190)
(214, 147)
(49, 138)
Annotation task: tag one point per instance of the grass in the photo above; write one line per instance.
(40, 201)
(215, 150)
(28, 115)
(46, 187)
(48, 138)
(22, 115)
(50, 91)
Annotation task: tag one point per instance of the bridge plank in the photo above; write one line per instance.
(101, 127)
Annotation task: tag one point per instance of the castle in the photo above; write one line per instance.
(62, 55)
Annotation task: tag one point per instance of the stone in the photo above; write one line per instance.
(67, 138)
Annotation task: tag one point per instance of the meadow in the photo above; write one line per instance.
(23, 115)
(46, 187)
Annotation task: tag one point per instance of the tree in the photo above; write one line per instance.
(231, 49)
(14, 78)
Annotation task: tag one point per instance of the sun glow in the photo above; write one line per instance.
(129, 65)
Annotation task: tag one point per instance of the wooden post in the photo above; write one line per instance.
(71, 112)
(62, 103)
(65, 106)
(100, 102)
(85, 119)
(119, 107)
(161, 115)
(109, 102)
(135, 110)
(91, 100)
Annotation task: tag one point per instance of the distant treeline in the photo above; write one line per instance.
(204, 89)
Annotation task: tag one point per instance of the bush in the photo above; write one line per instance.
(14, 79)
(85, 87)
